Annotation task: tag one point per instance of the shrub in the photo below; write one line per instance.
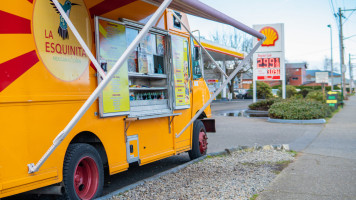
(263, 104)
(276, 86)
(339, 96)
(249, 94)
(304, 92)
(290, 91)
(316, 95)
(264, 91)
(327, 88)
(299, 109)
(297, 96)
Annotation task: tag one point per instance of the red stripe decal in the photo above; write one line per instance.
(11, 24)
(107, 6)
(14, 68)
(31, 1)
(92, 66)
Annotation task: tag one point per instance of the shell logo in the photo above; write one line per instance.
(271, 36)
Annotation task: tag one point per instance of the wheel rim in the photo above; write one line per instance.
(203, 142)
(86, 178)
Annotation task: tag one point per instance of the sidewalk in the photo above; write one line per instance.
(326, 169)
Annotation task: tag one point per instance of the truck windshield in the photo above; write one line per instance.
(196, 61)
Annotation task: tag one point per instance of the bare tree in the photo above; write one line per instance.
(327, 64)
(240, 42)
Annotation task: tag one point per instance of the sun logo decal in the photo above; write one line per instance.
(63, 27)
(271, 36)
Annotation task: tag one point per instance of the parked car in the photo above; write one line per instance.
(243, 94)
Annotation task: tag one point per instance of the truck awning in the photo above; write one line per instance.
(199, 9)
(192, 7)
(220, 52)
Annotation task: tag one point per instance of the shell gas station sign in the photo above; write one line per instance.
(268, 61)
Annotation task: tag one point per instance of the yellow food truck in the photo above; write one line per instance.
(89, 86)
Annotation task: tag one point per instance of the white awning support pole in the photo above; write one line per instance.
(191, 34)
(79, 38)
(223, 94)
(232, 75)
(57, 141)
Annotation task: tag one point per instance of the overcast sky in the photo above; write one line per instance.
(307, 37)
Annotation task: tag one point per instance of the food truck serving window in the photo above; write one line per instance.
(142, 85)
(181, 72)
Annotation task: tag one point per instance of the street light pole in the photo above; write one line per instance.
(331, 60)
(350, 82)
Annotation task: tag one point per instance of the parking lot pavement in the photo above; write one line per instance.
(233, 131)
(222, 106)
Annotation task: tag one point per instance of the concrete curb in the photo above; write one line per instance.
(290, 121)
(180, 167)
(249, 111)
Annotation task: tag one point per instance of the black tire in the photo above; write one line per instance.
(198, 126)
(79, 157)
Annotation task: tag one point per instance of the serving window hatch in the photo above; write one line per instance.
(143, 86)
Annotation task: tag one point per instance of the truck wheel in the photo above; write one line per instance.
(83, 173)
(200, 140)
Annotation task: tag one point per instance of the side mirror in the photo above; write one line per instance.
(104, 65)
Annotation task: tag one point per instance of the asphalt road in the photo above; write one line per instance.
(231, 132)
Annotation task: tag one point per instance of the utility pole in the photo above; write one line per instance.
(342, 61)
(331, 60)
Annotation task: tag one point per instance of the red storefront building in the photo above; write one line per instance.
(296, 73)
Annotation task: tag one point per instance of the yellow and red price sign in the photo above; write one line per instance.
(268, 66)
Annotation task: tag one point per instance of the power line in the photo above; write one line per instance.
(348, 17)
(333, 10)
(352, 40)
(332, 6)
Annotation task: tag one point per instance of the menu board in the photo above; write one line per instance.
(181, 71)
(111, 43)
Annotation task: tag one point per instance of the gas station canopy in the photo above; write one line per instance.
(219, 52)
